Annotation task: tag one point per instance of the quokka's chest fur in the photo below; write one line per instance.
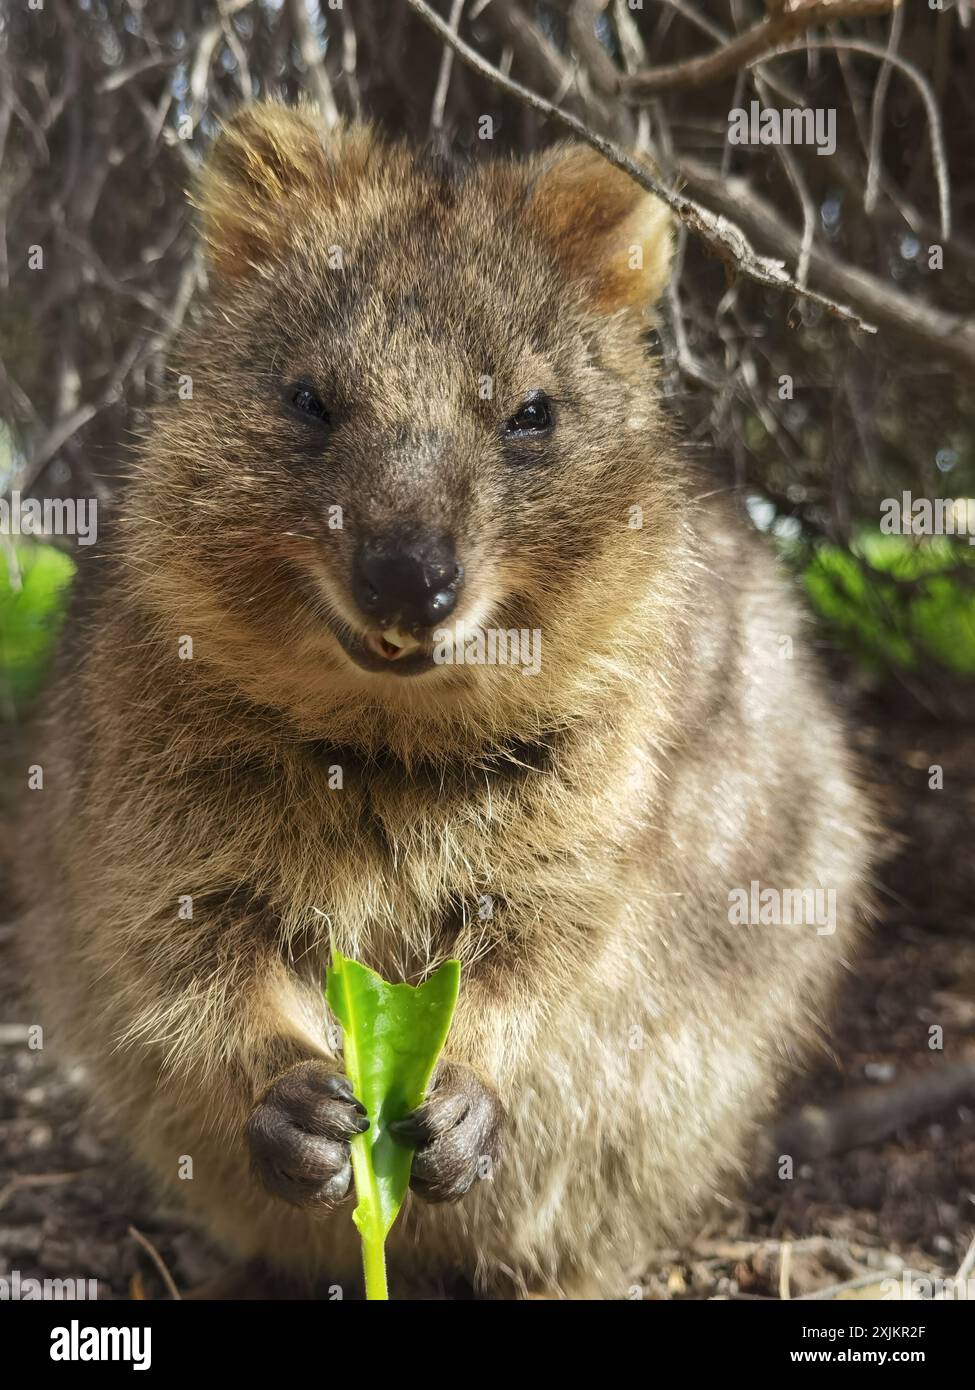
(407, 864)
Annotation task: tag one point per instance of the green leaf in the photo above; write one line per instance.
(33, 585)
(393, 1035)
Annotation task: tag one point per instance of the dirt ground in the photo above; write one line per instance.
(71, 1207)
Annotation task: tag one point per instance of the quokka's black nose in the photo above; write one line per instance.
(407, 581)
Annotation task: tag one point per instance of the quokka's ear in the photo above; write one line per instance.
(610, 235)
(266, 162)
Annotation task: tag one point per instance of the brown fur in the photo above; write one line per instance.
(665, 753)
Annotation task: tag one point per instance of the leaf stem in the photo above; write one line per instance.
(370, 1223)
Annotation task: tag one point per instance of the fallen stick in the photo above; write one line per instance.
(870, 1114)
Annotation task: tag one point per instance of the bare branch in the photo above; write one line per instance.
(583, 17)
(724, 238)
(949, 337)
(446, 64)
(792, 18)
(541, 63)
(877, 114)
(926, 93)
(314, 61)
(794, 175)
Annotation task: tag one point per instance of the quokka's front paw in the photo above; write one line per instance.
(456, 1133)
(299, 1135)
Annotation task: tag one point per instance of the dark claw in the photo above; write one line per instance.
(299, 1132)
(434, 1117)
(339, 1086)
(410, 1131)
(455, 1133)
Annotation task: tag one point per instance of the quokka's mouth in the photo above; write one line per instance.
(393, 644)
(392, 651)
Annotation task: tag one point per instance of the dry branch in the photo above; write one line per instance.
(948, 337)
(719, 232)
(795, 17)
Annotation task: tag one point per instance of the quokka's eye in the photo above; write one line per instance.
(534, 417)
(304, 401)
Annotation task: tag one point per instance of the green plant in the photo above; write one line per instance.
(896, 603)
(392, 1037)
(33, 582)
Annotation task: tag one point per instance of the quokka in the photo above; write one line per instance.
(422, 397)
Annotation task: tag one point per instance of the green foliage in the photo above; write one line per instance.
(33, 585)
(898, 604)
(392, 1037)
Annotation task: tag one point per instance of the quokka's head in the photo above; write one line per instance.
(420, 406)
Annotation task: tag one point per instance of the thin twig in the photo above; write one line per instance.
(806, 205)
(158, 1261)
(785, 1270)
(311, 54)
(446, 64)
(967, 1265)
(583, 18)
(877, 113)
